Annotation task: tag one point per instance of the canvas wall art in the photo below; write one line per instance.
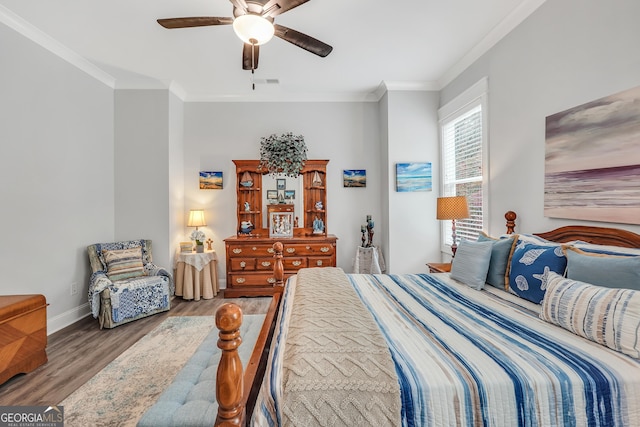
(354, 178)
(210, 180)
(592, 160)
(413, 177)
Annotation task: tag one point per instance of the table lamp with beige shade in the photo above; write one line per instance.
(196, 219)
(452, 208)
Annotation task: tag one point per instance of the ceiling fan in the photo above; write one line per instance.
(253, 23)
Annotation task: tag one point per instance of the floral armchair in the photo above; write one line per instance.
(125, 284)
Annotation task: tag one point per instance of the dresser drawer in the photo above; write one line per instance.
(251, 279)
(265, 264)
(294, 263)
(308, 249)
(245, 250)
(317, 261)
(243, 264)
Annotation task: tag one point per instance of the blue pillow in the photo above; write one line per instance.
(530, 265)
(603, 270)
(471, 263)
(497, 274)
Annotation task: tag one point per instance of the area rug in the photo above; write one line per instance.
(120, 393)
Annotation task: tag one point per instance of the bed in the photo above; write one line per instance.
(427, 349)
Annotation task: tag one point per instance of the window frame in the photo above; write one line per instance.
(476, 95)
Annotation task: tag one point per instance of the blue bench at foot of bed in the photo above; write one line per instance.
(190, 400)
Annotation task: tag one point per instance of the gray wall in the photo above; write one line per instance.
(566, 53)
(56, 164)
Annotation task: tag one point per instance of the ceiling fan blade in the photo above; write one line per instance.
(302, 40)
(196, 21)
(277, 7)
(250, 54)
(240, 4)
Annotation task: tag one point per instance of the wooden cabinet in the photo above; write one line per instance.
(250, 261)
(249, 254)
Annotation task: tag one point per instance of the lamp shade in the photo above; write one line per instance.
(452, 208)
(196, 218)
(253, 29)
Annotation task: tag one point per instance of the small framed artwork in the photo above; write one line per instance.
(210, 180)
(281, 224)
(354, 178)
(272, 194)
(413, 177)
(289, 194)
(281, 183)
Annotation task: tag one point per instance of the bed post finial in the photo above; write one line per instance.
(510, 216)
(229, 383)
(278, 267)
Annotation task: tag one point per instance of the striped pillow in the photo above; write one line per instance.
(123, 263)
(610, 317)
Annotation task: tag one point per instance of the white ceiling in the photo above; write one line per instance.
(417, 44)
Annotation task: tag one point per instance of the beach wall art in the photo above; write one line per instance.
(354, 178)
(592, 160)
(413, 177)
(210, 180)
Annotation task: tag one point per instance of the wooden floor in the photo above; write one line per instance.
(79, 351)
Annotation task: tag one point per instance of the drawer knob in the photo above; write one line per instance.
(319, 263)
(325, 249)
(296, 263)
(266, 263)
(243, 264)
(270, 250)
(237, 250)
(308, 247)
(254, 248)
(271, 280)
(291, 250)
(240, 280)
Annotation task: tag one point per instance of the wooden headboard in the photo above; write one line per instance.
(596, 235)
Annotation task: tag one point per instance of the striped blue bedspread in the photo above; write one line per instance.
(468, 358)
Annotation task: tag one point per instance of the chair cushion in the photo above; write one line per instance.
(123, 263)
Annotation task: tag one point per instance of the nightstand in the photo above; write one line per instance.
(439, 267)
(196, 275)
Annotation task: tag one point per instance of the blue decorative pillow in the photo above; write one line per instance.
(530, 265)
(500, 251)
(471, 263)
(600, 269)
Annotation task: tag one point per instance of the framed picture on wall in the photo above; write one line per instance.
(272, 194)
(413, 177)
(281, 183)
(354, 178)
(210, 180)
(289, 194)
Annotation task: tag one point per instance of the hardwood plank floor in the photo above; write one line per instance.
(79, 351)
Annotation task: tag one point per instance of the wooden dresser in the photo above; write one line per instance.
(250, 261)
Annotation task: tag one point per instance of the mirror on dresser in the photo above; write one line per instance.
(283, 194)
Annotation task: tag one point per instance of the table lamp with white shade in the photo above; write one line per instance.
(452, 208)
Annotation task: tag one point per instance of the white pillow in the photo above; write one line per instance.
(471, 263)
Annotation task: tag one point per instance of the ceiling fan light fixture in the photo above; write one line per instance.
(253, 29)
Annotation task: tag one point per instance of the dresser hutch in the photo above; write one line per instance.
(249, 254)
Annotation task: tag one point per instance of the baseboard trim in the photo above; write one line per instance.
(67, 318)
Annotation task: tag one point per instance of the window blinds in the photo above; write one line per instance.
(462, 169)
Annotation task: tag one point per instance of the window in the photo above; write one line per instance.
(463, 142)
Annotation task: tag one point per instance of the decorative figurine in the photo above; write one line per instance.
(246, 227)
(246, 180)
(316, 181)
(370, 230)
(318, 226)
(247, 207)
(209, 242)
(319, 205)
(363, 230)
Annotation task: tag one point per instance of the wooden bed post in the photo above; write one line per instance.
(278, 267)
(229, 382)
(510, 216)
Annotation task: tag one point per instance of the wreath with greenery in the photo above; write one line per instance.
(285, 154)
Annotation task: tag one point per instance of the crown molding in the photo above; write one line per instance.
(24, 28)
(498, 32)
